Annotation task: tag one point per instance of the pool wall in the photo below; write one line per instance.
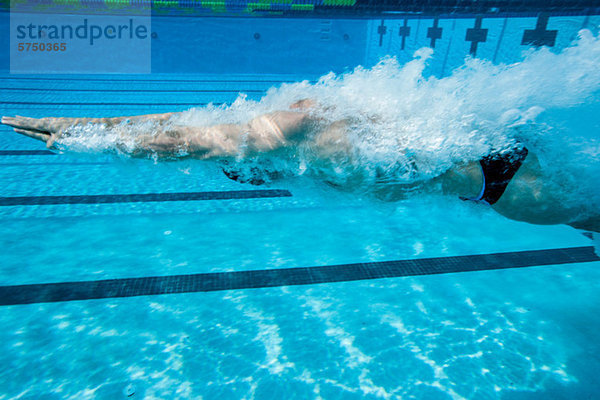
(316, 46)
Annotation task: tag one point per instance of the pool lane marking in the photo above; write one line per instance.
(26, 153)
(50, 164)
(157, 80)
(254, 279)
(142, 90)
(39, 153)
(142, 197)
(33, 103)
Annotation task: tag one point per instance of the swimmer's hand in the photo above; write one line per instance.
(49, 130)
(44, 129)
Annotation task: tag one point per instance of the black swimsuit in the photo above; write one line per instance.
(498, 170)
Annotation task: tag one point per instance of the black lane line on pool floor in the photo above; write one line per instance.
(38, 103)
(129, 287)
(142, 198)
(127, 80)
(142, 90)
(26, 153)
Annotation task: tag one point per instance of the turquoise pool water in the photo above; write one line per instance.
(510, 334)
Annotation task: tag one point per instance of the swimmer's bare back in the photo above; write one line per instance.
(263, 133)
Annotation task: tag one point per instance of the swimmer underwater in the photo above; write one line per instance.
(512, 183)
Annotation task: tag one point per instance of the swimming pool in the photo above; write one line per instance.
(523, 333)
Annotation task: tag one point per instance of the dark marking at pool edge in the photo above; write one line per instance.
(208, 282)
(540, 36)
(476, 35)
(381, 30)
(434, 33)
(404, 32)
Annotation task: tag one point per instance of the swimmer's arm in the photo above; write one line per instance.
(51, 129)
(264, 133)
(463, 180)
